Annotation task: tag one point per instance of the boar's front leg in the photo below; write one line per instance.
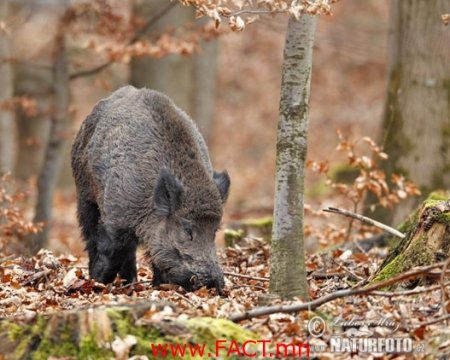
(116, 253)
(128, 269)
(110, 252)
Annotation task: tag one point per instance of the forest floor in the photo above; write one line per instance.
(47, 283)
(348, 93)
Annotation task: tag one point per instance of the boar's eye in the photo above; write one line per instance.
(188, 230)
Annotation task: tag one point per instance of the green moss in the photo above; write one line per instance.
(263, 226)
(63, 346)
(264, 222)
(437, 196)
(344, 173)
(232, 236)
(90, 349)
(41, 340)
(318, 188)
(410, 222)
(25, 335)
(416, 254)
(207, 331)
(124, 324)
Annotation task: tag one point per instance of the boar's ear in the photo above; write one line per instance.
(222, 181)
(168, 193)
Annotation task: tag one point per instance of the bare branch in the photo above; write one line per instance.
(435, 321)
(390, 294)
(311, 305)
(96, 69)
(366, 220)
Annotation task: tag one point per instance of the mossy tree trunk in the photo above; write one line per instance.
(287, 273)
(113, 332)
(427, 238)
(416, 127)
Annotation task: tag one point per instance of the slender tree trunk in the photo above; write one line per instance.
(416, 128)
(171, 74)
(6, 93)
(287, 273)
(33, 79)
(54, 151)
(204, 82)
(189, 81)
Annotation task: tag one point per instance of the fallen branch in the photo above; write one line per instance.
(311, 305)
(390, 294)
(35, 276)
(366, 220)
(185, 299)
(142, 282)
(246, 276)
(331, 275)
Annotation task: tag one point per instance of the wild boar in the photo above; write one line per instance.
(143, 176)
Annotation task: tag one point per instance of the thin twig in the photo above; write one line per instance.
(186, 299)
(390, 294)
(331, 275)
(435, 321)
(366, 220)
(443, 292)
(6, 258)
(250, 286)
(134, 283)
(133, 40)
(311, 305)
(246, 276)
(35, 277)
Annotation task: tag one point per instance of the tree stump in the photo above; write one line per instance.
(112, 332)
(427, 238)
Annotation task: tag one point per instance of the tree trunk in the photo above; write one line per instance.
(48, 175)
(287, 273)
(171, 74)
(33, 78)
(427, 238)
(6, 93)
(114, 332)
(416, 128)
(204, 82)
(189, 81)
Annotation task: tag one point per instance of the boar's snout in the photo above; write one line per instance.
(211, 279)
(210, 276)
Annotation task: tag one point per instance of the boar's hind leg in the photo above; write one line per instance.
(88, 217)
(116, 253)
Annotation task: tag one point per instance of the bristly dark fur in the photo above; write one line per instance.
(143, 175)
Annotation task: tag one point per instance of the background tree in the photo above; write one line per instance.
(6, 94)
(32, 79)
(287, 273)
(416, 126)
(59, 133)
(189, 80)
